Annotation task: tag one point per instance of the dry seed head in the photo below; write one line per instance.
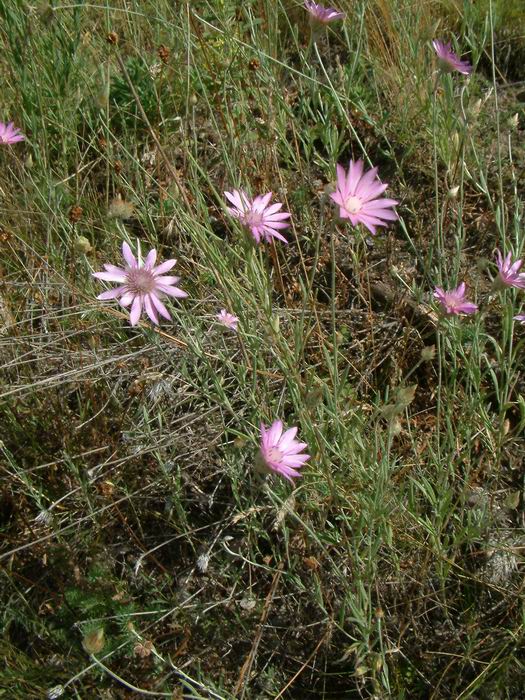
(453, 192)
(513, 121)
(163, 53)
(143, 649)
(120, 209)
(75, 214)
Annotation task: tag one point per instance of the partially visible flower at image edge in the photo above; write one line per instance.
(9, 133)
(454, 301)
(280, 452)
(520, 318)
(324, 15)
(263, 221)
(227, 319)
(358, 195)
(448, 59)
(508, 272)
(141, 285)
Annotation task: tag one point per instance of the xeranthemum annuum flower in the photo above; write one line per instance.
(454, 302)
(227, 319)
(508, 272)
(142, 285)
(359, 198)
(261, 220)
(9, 133)
(279, 452)
(324, 15)
(448, 59)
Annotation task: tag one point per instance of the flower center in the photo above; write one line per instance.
(453, 302)
(253, 218)
(274, 455)
(353, 205)
(140, 281)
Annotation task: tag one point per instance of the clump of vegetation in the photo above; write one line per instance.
(295, 468)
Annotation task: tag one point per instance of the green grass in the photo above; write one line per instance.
(129, 502)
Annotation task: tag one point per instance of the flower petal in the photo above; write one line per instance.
(275, 432)
(136, 310)
(150, 310)
(150, 259)
(128, 255)
(109, 276)
(163, 311)
(111, 294)
(171, 291)
(163, 267)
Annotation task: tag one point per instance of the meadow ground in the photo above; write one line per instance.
(143, 555)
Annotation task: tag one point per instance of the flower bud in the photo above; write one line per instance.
(453, 192)
(94, 642)
(475, 109)
(428, 353)
(513, 121)
(82, 245)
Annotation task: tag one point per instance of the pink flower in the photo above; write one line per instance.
(508, 275)
(454, 301)
(227, 319)
(261, 220)
(280, 452)
(9, 133)
(520, 318)
(141, 284)
(324, 15)
(448, 59)
(358, 197)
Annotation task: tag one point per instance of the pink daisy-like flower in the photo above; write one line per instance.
(141, 285)
(454, 301)
(280, 452)
(508, 275)
(520, 318)
(324, 15)
(358, 197)
(227, 319)
(448, 59)
(261, 220)
(9, 133)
